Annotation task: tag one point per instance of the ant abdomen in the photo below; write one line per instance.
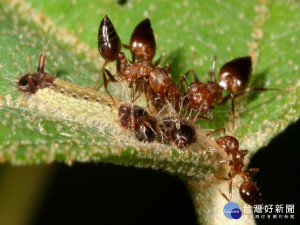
(145, 128)
(184, 136)
(180, 132)
(109, 43)
(234, 75)
(250, 193)
(160, 82)
(142, 42)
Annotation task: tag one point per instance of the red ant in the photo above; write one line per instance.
(234, 77)
(147, 77)
(32, 82)
(249, 192)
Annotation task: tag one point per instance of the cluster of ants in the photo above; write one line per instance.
(164, 97)
(172, 107)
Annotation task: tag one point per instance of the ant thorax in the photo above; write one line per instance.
(201, 97)
(131, 72)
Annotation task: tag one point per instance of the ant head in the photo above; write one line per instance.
(184, 136)
(160, 81)
(142, 42)
(235, 75)
(124, 114)
(32, 82)
(229, 144)
(27, 83)
(144, 124)
(109, 43)
(145, 128)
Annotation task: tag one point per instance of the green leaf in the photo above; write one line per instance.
(49, 126)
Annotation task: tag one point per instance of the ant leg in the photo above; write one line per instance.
(146, 91)
(249, 173)
(128, 47)
(213, 69)
(125, 46)
(202, 117)
(230, 188)
(216, 161)
(132, 108)
(215, 131)
(32, 86)
(224, 100)
(232, 111)
(106, 83)
(244, 152)
(224, 195)
(196, 117)
(41, 64)
(99, 77)
(192, 71)
(256, 89)
(136, 97)
(183, 79)
(158, 61)
(167, 68)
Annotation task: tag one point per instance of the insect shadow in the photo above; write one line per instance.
(175, 59)
(61, 73)
(258, 80)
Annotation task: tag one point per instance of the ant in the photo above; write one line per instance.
(144, 124)
(249, 191)
(32, 82)
(182, 135)
(234, 77)
(147, 77)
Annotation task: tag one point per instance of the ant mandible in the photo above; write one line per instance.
(142, 74)
(234, 77)
(249, 191)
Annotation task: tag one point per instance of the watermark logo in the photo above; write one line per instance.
(232, 210)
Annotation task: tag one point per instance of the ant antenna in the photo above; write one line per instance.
(41, 64)
(213, 69)
(173, 111)
(47, 45)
